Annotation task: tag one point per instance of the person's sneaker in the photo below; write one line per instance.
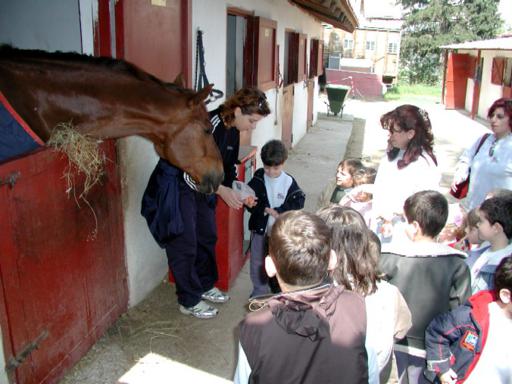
(201, 310)
(215, 296)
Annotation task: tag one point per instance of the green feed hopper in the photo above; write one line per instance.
(336, 95)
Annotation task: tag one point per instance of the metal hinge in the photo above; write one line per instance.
(10, 179)
(16, 361)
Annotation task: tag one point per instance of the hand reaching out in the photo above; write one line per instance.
(230, 197)
(272, 212)
(251, 201)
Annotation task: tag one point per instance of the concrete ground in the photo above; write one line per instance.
(154, 343)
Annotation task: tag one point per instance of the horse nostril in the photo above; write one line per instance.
(211, 182)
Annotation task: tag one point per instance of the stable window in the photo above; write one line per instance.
(507, 75)
(498, 65)
(251, 54)
(264, 73)
(348, 44)
(302, 58)
(315, 58)
(294, 57)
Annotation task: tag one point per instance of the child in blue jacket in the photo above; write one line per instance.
(471, 344)
(276, 192)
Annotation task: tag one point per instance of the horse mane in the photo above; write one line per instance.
(7, 52)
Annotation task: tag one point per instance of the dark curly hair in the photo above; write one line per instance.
(409, 117)
(249, 100)
(506, 104)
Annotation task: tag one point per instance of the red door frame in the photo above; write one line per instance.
(476, 87)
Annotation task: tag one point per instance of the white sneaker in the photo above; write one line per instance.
(201, 310)
(215, 296)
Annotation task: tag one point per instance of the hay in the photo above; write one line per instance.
(84, 156)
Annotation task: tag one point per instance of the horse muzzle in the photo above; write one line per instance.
(210, 182)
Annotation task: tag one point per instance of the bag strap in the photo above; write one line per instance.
(482, 141)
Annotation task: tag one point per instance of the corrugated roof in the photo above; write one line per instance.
(502, 43)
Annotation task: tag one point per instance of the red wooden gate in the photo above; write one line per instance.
(456, 80)
(61, 287)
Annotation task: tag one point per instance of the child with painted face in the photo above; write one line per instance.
(276, 192)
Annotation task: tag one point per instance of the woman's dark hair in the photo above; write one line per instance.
(409, 117)
(249, 100)
(357, 263)
(504, 103)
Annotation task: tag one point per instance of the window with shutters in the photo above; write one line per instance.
(498, 64)
(315, 58)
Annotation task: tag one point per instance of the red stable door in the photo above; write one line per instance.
(62, 285)
(230, 227)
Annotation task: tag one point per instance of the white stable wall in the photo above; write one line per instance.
(146, 262)
(488, 92)
(210, 16)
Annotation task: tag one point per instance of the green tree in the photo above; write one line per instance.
(430, 24)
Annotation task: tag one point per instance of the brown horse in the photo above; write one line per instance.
(107, 98)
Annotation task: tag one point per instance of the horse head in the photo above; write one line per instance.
(187, 141)
(109, 98)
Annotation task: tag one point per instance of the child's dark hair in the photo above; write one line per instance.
(365, 175)
(499, 192)
(503, 275)
(429, 209)
(300, 247)
(351, 165)
(274, 153)
(472, 219)
(350, 239)
(498, 210)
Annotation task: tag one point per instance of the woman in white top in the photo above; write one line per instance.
(409, 165)
(387, 314)
(491, 167)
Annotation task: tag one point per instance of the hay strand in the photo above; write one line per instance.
(84, 156)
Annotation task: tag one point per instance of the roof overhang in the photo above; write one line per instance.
(503, 43)
(338, 13)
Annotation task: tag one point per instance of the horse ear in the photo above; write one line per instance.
(200, 96)
(180, 80)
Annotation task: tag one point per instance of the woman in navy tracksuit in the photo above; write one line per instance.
(182, 220)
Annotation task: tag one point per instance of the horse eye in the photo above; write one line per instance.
(209, 130)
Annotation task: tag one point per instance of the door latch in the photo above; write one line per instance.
(16, 361)
(10, 179)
